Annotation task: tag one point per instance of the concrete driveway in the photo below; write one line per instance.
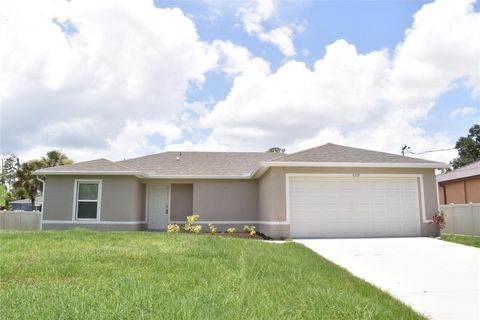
(438, 279)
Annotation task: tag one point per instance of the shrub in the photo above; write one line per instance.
(231, 230)
(253, 233)
(248, 229)
(192, 224)
(173, 228)
(439, 219)
(213, 229)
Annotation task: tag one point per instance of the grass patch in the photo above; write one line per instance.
(466, 240)
(82, 274)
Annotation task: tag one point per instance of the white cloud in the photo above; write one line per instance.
(235, 60)
(255, 13)
(121, 60)
(462, 112)
(371, 100)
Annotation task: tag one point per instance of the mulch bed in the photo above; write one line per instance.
(245, 235)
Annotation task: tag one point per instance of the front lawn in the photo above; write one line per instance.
(82, 274)
(466, 240)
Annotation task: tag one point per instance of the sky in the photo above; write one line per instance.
(118, 79)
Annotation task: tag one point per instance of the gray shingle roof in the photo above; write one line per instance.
(103, 165)
(229, 164)
(464, 172)
(199, 163)
(336, 153)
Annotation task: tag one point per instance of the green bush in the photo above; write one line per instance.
(213, 229)
(248, 229)
(192, 225)
(231, 230)
(173, 228)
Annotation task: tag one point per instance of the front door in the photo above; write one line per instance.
(158, 211)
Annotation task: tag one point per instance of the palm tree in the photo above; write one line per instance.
(25, 179)
(56, 158)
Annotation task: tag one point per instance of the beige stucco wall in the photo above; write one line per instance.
(181, 201)
(272, 194)
(218, 199)
(122, 198)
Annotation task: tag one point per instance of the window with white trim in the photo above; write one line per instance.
(87, 206)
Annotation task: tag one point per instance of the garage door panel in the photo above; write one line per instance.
(353, 207)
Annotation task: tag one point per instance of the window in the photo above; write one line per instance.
(87, 205)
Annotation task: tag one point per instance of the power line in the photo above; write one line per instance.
(430, 151)
(407, 149)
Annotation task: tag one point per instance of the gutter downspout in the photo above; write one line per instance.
(43, 202)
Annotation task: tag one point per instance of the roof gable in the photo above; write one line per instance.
(342, 154)
(97, 165)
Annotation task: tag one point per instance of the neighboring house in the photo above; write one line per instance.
(327, 191)
(26, 204)
(461, 185)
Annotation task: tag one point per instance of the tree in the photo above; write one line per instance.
(56, 158)
(276, 150)
(25, 179)
(9, 167)
(468, 148)
(26, 184)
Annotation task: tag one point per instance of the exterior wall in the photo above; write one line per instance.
(228, 200)
(217, 199)
(460, 191)
(473, 190)
(122, 200)
(272, 195)
(455, 192)
(181, 201)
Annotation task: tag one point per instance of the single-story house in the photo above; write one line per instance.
(327, 191)
(26, 204)
(461, 185)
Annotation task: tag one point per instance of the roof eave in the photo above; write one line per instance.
(246, 176)
(264, 165)
(89, 173)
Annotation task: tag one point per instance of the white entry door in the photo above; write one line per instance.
(353, 207)
(158, 210)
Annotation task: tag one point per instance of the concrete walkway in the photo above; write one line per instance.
(437, 278)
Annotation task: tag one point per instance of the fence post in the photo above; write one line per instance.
(453, 218)
(473, 218)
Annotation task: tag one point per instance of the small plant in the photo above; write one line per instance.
(251, 230)
(248, 229)
(213, 229)
(231, 230)
(192, 225)
(173, 228)
(439, 219)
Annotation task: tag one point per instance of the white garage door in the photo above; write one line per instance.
(322, 206)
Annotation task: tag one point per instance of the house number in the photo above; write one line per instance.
(356, 174)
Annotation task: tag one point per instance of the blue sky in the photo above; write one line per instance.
(237, 75)
(369, 25)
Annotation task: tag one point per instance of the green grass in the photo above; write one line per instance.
(82, 274)
(466, 240)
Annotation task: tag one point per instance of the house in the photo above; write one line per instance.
(327, 191)
(26, 204)
(461, 185)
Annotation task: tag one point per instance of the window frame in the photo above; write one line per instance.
(76, 200)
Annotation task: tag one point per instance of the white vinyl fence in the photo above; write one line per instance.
(462, 219)
(20, 220)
